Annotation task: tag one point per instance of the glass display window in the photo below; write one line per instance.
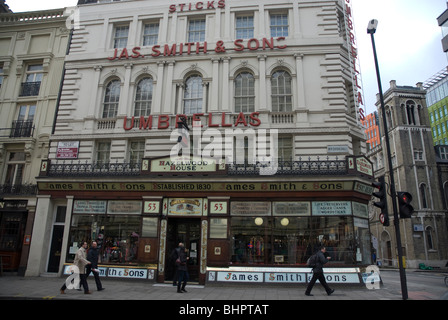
(289, 240)
(117, 237)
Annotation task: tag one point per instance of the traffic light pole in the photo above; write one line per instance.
(404, 289)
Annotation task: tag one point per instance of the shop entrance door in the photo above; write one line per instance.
(188, 231)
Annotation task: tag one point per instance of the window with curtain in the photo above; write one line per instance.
(143, 97)
(136, 151)
(244, 28)
(196, 30)
(121, 36)
(111, 99)
(281, 92)
(193, 95)
(103, 152)
(244, 92)
(150, 34)
(279, 25)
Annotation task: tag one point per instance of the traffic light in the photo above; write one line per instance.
(381, 194)
(404, 204)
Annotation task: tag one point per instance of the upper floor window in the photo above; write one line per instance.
(423, 195)
(16, 166)
(111, 99)
(136, 151)
(193, 95)
(33, 78)
(121, 36)
(443, 153)
(244, 27)
(410, 112)
(150, 34)
(23, 126)
(279, 25)
(196, 30)
(245, 92)
(285, 149)
(281, 92)
(143, 97)
(103, 152)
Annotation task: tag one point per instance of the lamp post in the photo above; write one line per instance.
(371, 29)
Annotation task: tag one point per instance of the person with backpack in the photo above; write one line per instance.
(317, 262)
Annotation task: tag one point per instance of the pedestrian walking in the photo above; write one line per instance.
(182, 269)
(92, 256)
(318, 272)
(80, 262)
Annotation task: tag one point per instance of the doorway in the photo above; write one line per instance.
(188, 231)
(55, 249)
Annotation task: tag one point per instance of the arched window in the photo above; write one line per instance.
(193, 95)
(244, 92)
(281, 93)
(111, 99)
(430, 238)
(143, 97)
(389, 118)
(445, 193)
(423, 195)
(410, 112)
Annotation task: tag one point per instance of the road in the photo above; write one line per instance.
(421, 285)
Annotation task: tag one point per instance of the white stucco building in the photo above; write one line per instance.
(284, 71)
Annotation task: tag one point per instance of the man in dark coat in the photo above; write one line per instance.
(318, 273)
(182, 271)
(92, 256)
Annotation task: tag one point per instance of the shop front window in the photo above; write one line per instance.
(289, 240)
(248, 240)
(117, 236)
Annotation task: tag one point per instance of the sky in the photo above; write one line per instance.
(408, 39)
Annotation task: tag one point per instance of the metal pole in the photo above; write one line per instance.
(404, 289)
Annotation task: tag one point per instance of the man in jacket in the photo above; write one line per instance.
(92, 256)
(318, 273)
(182, 271)
(80, 262)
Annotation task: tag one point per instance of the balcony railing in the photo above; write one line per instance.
(18, 189)
(22, 129)
(80, 169)
(301, 167)
(30, 89)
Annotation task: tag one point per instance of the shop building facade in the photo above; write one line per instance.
(33, 46)
(269, 169)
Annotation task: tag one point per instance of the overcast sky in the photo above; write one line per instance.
(408, 39)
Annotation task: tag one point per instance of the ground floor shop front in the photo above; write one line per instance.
(246, 231)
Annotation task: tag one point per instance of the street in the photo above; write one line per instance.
(421, 285)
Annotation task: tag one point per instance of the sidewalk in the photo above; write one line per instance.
(36, 288)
